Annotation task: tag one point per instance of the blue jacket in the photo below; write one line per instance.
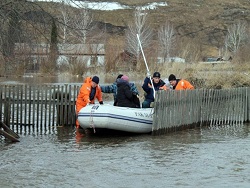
(113, 89)
(149, 91)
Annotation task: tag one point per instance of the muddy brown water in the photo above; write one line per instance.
(202, 157)
(213, 156)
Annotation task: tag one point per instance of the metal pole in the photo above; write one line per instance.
(146, 64)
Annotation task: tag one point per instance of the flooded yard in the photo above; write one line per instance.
(202, 157)
(213, 156)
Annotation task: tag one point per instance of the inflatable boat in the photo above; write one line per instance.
(133, 120)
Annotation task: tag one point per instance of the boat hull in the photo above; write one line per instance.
(134, 120)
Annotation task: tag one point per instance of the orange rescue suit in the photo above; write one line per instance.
(183, 85)
(84, 94)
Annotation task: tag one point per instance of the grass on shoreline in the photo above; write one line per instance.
(202, 76)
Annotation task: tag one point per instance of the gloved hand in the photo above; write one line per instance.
(101, 102)
(148, 74)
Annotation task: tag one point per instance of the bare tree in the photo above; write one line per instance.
(140, 27)
(21, 22)
(82, 23)
(236, 37)
(166, 37)
(65, 20)
(29, 22)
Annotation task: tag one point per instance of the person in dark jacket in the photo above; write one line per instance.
(113, 88)
(158, 84)
(125, 97)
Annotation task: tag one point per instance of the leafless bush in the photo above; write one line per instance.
(77, 67)
(114, 46)
(141, 27)
(190, 50)
(167, 40)
(236, 36)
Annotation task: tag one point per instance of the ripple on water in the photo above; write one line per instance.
(197, 157)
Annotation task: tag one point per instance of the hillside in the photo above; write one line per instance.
(205, 21)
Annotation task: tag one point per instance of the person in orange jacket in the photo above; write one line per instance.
(179, 84)
(89, 91)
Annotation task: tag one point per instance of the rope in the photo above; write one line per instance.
(92, 120)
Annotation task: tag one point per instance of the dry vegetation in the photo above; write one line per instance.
(204, 21)
(200, 27)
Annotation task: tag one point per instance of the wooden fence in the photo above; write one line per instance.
(38, 107)
(187, 108)
(42, 107)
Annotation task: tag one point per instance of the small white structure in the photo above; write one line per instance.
(91, 54)
(170, 59)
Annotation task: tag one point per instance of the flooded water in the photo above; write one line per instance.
(60, 79)
(201, 157)
(32, 79)
(216, 156)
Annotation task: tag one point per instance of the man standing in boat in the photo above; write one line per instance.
(89, 91)
(113, 88)
(158, 84)
(179, 84)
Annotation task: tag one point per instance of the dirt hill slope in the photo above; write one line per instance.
(203, 20)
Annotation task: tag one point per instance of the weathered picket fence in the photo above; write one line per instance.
(39, 107)
(188, 108)
(43, 107)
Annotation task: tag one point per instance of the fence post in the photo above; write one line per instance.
(64, 107)
(248, 103)
(7, 111)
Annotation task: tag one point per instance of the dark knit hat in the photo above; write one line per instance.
(171, 77)
(95, 79)
(119, 76)
(157, 74)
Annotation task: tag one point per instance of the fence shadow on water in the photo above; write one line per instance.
(183, 109)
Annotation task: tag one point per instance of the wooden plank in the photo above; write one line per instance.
(41, 89)
(9, 136)
(8, 130)
(25, 107)
(21, 107)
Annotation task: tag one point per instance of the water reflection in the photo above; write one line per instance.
(61, 79)
(34, 80)
(216, 157)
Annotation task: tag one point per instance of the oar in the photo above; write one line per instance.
(146, 63)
